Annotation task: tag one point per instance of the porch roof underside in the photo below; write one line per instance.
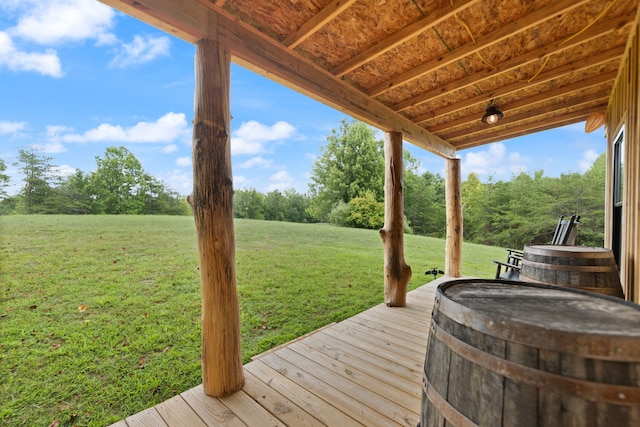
(426, 68)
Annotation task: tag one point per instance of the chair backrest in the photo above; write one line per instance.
(565, 233)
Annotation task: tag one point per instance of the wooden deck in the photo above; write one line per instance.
(363, 371)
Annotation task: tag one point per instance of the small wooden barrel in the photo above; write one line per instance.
(522, 354)
(586, 268)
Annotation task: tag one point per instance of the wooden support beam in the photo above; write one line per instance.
(186, 20)
(453, 245)
(212, 203)
(396, 272)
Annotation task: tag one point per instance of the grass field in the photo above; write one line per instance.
(99, 315)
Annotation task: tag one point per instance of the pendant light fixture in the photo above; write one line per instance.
(492, 115)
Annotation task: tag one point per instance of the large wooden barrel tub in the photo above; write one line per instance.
(587, 268)
(524, 354)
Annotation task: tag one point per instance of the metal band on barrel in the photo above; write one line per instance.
(445, 409)
(619, 348)
(578, 268)
(604, 291)
(588, 390)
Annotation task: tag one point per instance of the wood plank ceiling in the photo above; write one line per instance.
(428, 68)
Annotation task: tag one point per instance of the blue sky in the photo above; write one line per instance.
(77, 77)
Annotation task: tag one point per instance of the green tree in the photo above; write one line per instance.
(74, 195)
(351, 164)
(4, 180)
(248, 204)
(276, 206)
(366, 212)
(475, 208)
(36, 167)
(297, 206)
(591, 229)
(526, 209)
(160, 200)
(424, 203)
(119, 184)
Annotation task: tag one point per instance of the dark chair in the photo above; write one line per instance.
(564, 234)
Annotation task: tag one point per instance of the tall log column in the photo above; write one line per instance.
(396, 272)
(212, 203)
(453, 246)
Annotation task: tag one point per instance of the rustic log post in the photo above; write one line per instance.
(453, 246)
(212, 203)
(396, 272)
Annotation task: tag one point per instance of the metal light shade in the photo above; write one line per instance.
(492, 115)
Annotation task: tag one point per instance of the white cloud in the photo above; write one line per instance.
(141, 51)
(51, 148)
(63, 171)
(168, 149)
(253, 137)
(54, 130)
(166, 129)
(588, 157)
(180, 181)
(15, 175)
(256, 162)
(46, 63)
(11, 127)
(516, 163)
(183, 161)
(494, 162)
(51, 22)
(280, 181)
(239, 181)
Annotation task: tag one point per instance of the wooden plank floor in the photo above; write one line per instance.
(363, 371)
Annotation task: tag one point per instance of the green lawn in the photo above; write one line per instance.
(99, 315)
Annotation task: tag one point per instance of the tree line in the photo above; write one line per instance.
(118, 185)
(346, 188)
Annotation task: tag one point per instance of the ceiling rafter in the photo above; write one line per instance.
(480, 127)
(543, 96)
(322, 57)
(583, 64)
(268, 57)
(482, 42)
(189, 22)
(326, 14)
(402, 36)
(524, 129)
(514, 63)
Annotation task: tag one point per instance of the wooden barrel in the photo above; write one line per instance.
(522, 354)
(586, 268)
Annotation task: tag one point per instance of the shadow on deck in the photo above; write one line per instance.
(363, 371)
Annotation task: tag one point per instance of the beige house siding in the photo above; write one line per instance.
(622, 114)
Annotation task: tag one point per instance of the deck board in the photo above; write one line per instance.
(211, 410)
(363, 371)
(176, 411)
(396, 375)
